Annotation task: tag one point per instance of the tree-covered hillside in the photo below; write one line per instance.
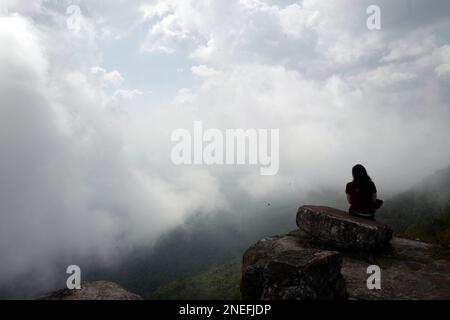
(423, 212)
(220, 282)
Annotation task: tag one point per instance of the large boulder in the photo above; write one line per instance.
(98, 290)
(337, 229)
(280, 267)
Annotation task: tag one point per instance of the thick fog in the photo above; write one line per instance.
(91, 92)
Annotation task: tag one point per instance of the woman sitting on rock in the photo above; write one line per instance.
(362, 194)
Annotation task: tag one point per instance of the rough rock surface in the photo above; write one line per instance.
(410, 270)
(99, 290)
(337, 229)
(298, 266)
(280, 268)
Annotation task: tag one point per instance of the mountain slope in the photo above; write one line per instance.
(423, 211)
(218, 283)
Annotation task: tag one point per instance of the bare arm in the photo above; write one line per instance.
(374, 197)
(349, 198)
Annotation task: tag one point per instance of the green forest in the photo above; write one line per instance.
(423, 212)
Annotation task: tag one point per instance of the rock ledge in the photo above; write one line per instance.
(98, 290)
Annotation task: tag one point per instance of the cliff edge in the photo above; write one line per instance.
(328, 258)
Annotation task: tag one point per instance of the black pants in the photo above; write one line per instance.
(369, 216)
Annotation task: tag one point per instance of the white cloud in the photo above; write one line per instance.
(114, 77)
(67, 182)
(410, 48)
(385, 76)
(184, 96)
(127, 94)
(203, 71)
(295, 20)
(443, 70)
(158, 9)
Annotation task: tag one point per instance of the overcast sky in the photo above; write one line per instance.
(89, 99)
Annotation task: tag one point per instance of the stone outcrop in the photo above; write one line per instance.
(280, 268)
(98, 290)
(337, 229)
(410, 270)
(304, 264)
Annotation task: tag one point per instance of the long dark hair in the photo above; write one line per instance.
(360, 176)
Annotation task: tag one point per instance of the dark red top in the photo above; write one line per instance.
(362, 197)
